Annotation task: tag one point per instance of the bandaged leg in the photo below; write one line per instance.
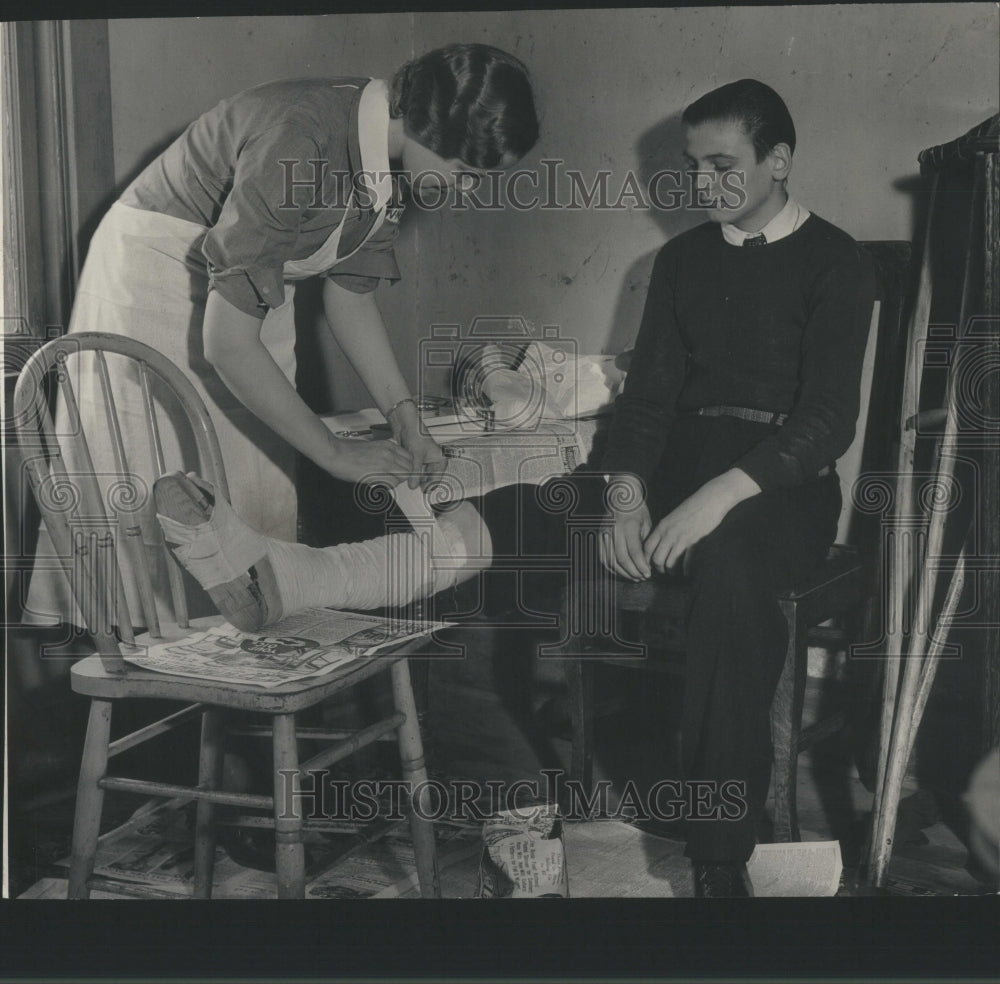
(256, 580)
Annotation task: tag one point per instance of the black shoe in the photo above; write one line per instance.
(721, 881)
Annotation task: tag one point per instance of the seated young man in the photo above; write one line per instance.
(743, 392)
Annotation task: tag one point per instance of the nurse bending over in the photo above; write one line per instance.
(200, 255)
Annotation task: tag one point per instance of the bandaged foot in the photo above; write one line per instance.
(254, 580)
(224, 555)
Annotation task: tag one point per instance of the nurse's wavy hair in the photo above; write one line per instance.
(753, 105)
(471, 102)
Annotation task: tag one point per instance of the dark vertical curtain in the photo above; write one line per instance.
(58, 179)
(991, 485)
(59, 163)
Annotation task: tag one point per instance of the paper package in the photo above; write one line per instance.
(524, 855)
(548, 383)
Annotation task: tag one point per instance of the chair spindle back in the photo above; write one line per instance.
(92, 477)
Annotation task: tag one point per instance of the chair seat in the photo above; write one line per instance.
(840, 562)
(90, 677)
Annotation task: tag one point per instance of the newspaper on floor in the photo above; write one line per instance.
(614, 859)
(386, 868)
(604, 859)
(807, 868)
(309, 643)
(151, 856)
(56, 888)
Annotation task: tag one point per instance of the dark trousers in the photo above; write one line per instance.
(736, 634)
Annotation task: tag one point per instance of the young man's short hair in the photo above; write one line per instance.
(755, 106)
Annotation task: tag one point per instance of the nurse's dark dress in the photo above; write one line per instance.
(255, 194)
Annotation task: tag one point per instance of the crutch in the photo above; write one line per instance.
(901, 559)
(924, 645)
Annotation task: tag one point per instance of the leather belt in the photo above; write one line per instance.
(744, 413)
(756, 416)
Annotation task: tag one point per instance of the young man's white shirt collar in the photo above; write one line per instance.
(783, 224)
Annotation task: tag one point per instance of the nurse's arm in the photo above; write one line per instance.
(357, 324)
(232, 345)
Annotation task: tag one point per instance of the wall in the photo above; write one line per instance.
(869, 86)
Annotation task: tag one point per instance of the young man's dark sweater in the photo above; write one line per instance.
(780, 327)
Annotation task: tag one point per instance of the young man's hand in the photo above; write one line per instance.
(696, 517)
(622, 545)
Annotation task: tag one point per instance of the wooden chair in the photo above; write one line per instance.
(90, 538)
(846, 584)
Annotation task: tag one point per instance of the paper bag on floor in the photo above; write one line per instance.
(808, 868)
(523, 856)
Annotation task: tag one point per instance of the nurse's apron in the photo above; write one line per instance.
(145, 277)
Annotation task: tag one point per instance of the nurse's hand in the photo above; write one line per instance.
(428, 458)
(368, 462)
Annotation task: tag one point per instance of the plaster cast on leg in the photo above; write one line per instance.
(255, 580)
(385, 572)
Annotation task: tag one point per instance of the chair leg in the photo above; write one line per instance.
(411, 754)
(786, 723)
(580, 681)
(289, 850)
(89, 799)
(209, 777)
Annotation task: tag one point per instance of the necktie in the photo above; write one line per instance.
(757, 240)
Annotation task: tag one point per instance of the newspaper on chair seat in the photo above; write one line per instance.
(309, 643)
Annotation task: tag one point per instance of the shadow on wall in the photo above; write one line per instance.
(658, 150)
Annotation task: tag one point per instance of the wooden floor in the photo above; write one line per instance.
(493, 713)
(497, 714)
